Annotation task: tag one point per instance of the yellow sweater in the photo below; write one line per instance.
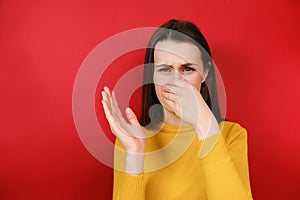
(179, 166)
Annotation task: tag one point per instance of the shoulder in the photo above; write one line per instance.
(233, 133)
(231, 127)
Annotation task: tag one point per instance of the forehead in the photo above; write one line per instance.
(173, 51)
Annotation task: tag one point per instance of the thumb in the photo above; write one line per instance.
(131, 117)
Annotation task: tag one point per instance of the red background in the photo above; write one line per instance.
(42, 44)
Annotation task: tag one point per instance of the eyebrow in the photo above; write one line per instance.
(182, 65)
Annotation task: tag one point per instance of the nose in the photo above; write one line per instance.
(177, 75)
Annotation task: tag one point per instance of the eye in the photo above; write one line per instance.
(188, 69)
(165, 69)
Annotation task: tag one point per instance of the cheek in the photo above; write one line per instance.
(158, 81)
(161, 79)
(195, 81)
(158, 91)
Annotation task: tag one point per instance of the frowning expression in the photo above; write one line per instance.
(177, 60)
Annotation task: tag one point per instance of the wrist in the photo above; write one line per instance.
(134, 163)
(206, 127)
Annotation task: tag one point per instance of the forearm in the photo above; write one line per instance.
(129, 180)
(223, 182)
(127, 187)
(134, 164)
(222, 179)
(205, 125)
(211, 129)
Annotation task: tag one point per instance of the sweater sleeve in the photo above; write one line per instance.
(225, 164)
(126, 186)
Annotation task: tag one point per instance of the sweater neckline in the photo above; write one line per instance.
(175, 129)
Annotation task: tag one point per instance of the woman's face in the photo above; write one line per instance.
(177, 60)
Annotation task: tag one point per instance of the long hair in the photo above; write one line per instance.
(181, 31)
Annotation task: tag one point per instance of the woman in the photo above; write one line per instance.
(181, 148)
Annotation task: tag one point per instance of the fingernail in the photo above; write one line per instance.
(106, 89)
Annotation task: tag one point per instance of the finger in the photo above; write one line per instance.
(116, 110)
(107, 112)
(166, 88)
(174, 105)
(107, 90)
(110, 110)
(116, 105)
(131, 117)
(104, 96)
(171, 89)
(108, 93)
(119, 119)
(171, 104)
(106, 99)
(113, 103)
(114, 125)
(169, 96)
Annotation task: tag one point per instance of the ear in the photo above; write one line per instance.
(206, 71)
